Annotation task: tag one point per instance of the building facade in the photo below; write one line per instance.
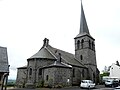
(115, 71)
(54, 67)
(4, 67)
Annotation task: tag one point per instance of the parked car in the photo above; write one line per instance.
(112, 83)
(117, 88)
(87, 84)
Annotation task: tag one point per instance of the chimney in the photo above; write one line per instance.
(45, 42)
(117, 63)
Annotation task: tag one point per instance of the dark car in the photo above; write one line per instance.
(115, 83)
(112, 83)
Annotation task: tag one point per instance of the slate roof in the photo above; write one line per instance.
(58, 64)
(49, 52)
(83, 25)
(67, 57)
(43, 53)
(3, 60)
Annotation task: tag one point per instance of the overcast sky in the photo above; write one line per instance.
(25, 23)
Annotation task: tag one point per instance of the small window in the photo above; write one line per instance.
(40, 71)
(81, 57)
(92, 45)
(73, 72)
(30, 72)
(78, 44)
(0, 78)
(89, 44)
(47, 77)
(82, 41)
(83, 73)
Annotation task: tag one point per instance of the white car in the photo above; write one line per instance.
(87, 84)
(108, 83)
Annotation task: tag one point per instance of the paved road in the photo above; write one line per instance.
(98, 87)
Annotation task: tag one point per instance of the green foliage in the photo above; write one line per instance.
(102, 75)
(11, 83)
(105, 74)
(41, 83)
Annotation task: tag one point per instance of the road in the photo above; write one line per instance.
(98, 87)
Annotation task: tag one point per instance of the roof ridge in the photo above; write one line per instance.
(50, 52)
(61, 50)
(68, 55)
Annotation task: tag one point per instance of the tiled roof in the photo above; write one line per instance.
(3, 60)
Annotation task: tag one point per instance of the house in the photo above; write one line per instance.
(115, 70)
(53, 67)
(4, 66)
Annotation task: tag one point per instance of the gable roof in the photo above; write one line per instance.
(49, 52)
(4, 67)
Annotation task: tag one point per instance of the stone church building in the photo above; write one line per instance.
(4, 68)
(53, 67)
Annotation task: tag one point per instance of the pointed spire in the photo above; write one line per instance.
(83, 23)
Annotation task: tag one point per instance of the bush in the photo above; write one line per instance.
(41, 84)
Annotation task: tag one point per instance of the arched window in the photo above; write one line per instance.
(82, 41)
(81, 57)
(47, 77)
(78, 44)
(30, 72)
(89, 44)
(40, 71)
(73, 72)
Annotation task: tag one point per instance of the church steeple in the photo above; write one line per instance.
(85, 47)
(83, 23)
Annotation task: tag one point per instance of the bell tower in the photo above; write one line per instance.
(85, 47)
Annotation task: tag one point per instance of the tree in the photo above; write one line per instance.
(105, 72)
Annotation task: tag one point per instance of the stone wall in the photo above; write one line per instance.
(21, 77)
(58, 76)
(79, 74)
(35, 65)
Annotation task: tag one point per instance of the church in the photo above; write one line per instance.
(54, 67)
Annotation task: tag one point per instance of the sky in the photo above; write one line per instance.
(25, 23)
